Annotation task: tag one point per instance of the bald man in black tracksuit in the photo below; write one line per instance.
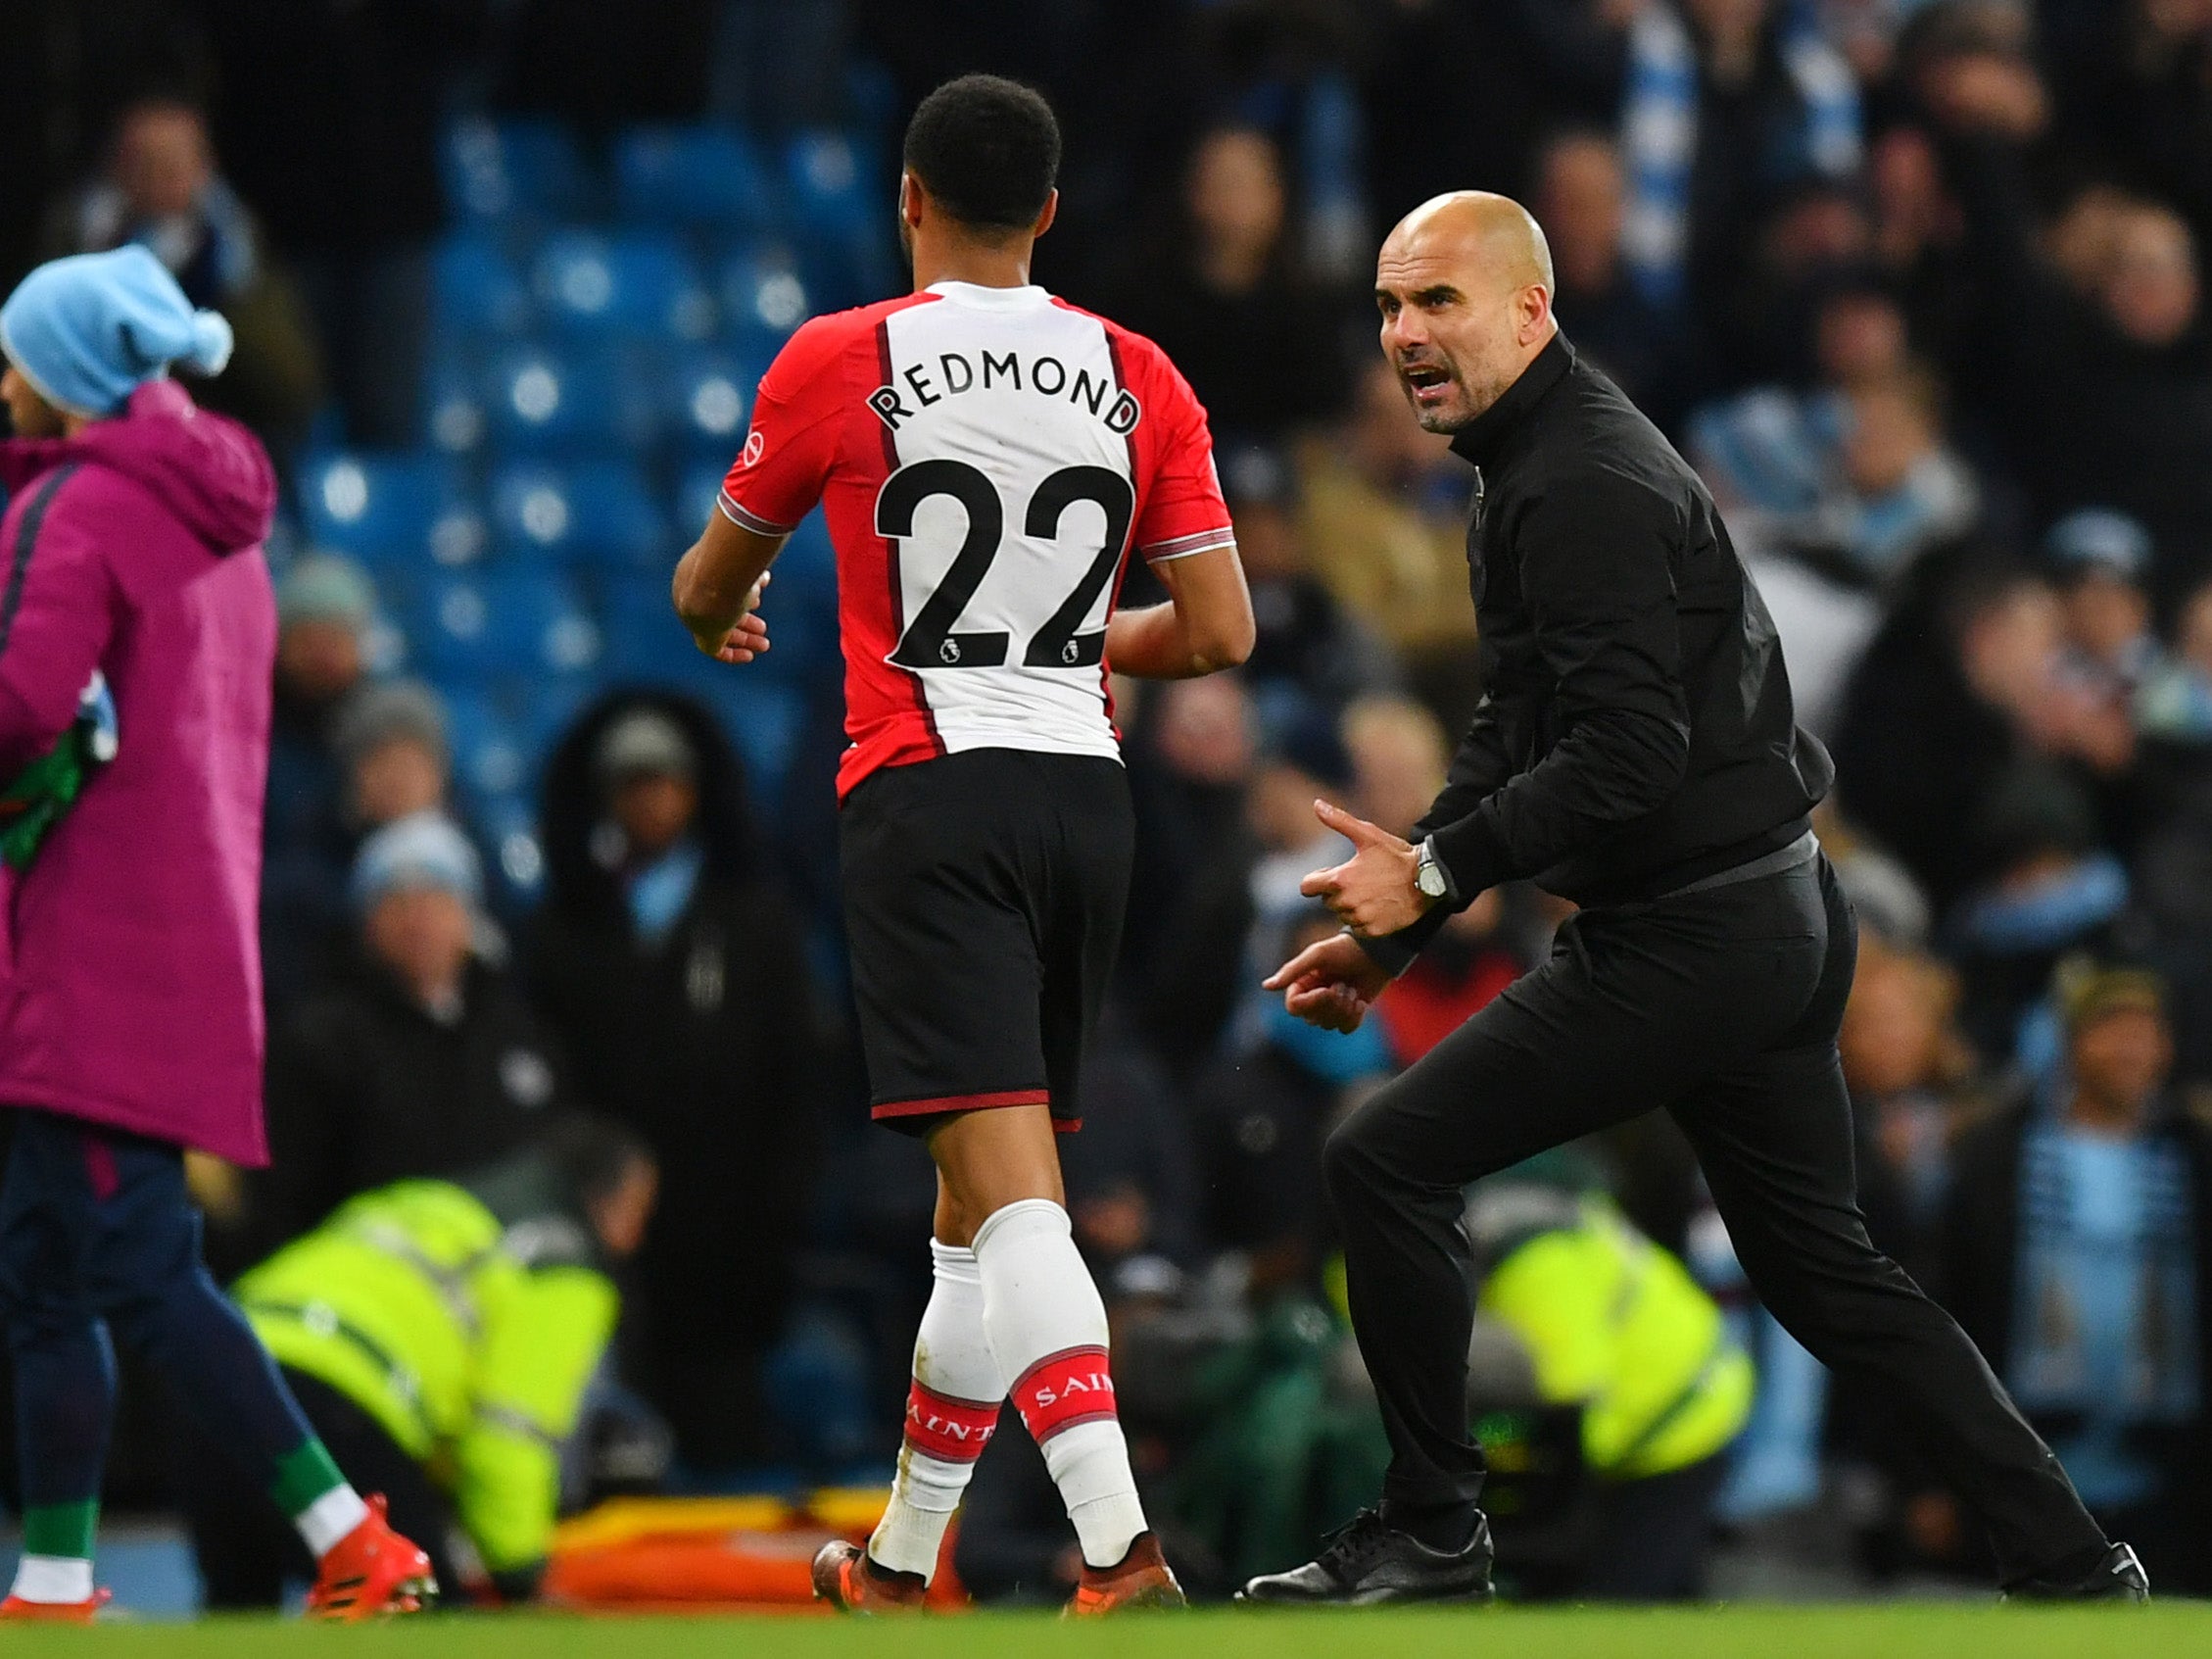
(1635, 750)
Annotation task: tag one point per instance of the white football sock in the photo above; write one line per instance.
(54, 1577)
(327, 1522)
(1048, 1330)
(950, 1416)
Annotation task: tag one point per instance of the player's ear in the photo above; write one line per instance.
(911, 195)
(1051, 212)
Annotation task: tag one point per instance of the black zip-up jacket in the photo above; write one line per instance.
(1636, 731)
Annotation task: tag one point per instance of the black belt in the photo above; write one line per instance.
(1801, 850)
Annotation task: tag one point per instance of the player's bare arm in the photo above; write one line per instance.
(1205, 627)
(718, 585)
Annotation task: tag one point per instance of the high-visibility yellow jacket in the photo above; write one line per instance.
(1617, 1324)
(470, 1340)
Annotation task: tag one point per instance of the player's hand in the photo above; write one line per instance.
(1373, 892)
(740, 642)
(1331, 984)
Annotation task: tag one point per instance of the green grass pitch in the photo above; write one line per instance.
(1892, 1632)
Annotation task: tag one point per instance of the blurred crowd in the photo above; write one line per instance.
(1916, 284)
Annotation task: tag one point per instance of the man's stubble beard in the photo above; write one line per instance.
(1479, 401)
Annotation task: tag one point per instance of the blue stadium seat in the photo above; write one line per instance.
(479, 293)
(524, 622)
(644, 642)
(764, 298)
(493, 170)
(802, 612)
(702, 177)
(508, 826)
(491, 755)
(842, 220)
(390, 510)
(598, 513)
(453, 415)
(637, 285)
(543, 711)
(710, 399)
(548, 399)
(808, 559)
(830, 197)
(764, 719)
(695, 492)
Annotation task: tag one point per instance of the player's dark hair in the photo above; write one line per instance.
(987, 149)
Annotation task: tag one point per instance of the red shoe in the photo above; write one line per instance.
(16, 1610)
(372, 1571)
(850, 1582)
(1140, 1583)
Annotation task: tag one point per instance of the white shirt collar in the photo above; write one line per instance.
(991, 299)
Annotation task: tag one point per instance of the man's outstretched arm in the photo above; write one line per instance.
(1205, 627)
(718, 584)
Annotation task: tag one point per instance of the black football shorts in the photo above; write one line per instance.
(984, 898)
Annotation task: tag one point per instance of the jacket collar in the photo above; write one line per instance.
(1480, 439)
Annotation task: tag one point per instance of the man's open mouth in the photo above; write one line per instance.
(1423, 375)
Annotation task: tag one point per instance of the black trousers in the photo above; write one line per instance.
(1721, 1006)
(245, 1548)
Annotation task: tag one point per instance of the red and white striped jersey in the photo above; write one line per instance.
(986, 457)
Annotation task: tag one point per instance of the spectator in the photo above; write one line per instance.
(1386, 528)
(2136, 102)
(329, 113)
(491, 1301)
(1202, 967)
(1729, 104)
(1310, 651)
(2112, 315)
(2173, 858)
(1911, 1076)
(1581, 201)
(1263, 1111)
(1399, 754)
(670, 965)
(1835, 493)
(325, 610)
(1229, 303)
(1854, 477)
(389, 739)
(1133, 1175)
(1915, 1094)
(1960, 691)
(1919, 244)
(2081, 1259)
(392, 740)
(159, 186)
(1190, 758)
(423, 1059)
(2177, 702)
(1617, 1326)
(1530, 65)
(2100, 561)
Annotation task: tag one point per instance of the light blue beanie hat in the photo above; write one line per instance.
(423, 849)
(90, 329)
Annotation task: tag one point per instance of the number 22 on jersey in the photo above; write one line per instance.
(932, 639)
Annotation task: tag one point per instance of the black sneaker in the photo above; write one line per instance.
(1368, 1561)
(2117, 1577)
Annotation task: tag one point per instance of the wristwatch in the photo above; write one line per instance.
(1430, 879)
